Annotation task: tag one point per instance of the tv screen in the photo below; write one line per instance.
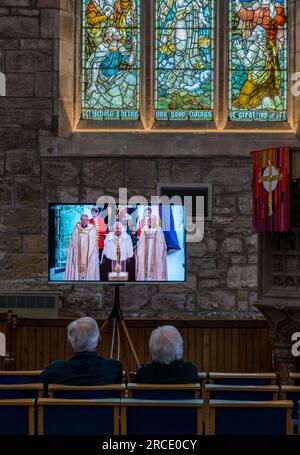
(135, 244)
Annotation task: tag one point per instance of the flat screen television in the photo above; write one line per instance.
(128, 244)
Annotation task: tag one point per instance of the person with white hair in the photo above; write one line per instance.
(167, 366)
(86, 367)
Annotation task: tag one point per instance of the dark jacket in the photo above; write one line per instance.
(178, 372)
(84, 368)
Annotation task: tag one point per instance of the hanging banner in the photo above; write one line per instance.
(271, 190)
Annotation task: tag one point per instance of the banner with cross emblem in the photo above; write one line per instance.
(271, 190)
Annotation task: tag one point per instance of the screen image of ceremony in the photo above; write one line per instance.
(142, 243)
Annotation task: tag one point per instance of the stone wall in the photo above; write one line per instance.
(221, 269)
(35, 170)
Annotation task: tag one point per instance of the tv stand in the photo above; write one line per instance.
(116, 317)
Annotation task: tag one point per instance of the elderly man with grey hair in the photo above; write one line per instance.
(167, 366)
(86, 367)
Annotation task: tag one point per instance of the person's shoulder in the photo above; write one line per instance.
(148, 366)
(57, 364)
(112, 363)
(54, 370)
(190, 365)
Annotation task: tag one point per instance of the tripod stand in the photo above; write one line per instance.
(116, 317)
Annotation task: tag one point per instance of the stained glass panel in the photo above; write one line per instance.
(184, 59)
(258, 59)
(110, 60)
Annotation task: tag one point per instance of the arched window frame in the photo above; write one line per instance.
(68, 110)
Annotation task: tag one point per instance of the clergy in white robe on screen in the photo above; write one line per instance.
(83, 256)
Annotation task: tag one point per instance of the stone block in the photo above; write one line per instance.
(6, 191)
(186, 171)
(140, 173)
(245, 204)
(49, 23)
(252, 258)
(168, 304)
(67, 194)
(207, 247)
(211, 283)
(61, 172)
(226, 175)
(41, 45)
(238, 259)
(20, 220)
(146, 193)
(200, 264)
(91, 195)
(1, 164)
(252, 299)
(224, 210)
(62, 194)
(102, 173)
(35, 243)
(44, 220)
(43, 84)
(80, 303)
(28, 191)
(10, 243)
(28, 12)
(19, 27)
(164, 171)
(189, 286)
(217, 300)
(231, 245)
(251, 243)
(226, 200)
(19, 84)
(242, 277)
(20, 118)
(50, 3)
(22, 162)
(16, 137)
(27, 61)
(17, 3)
(134, 299)
(2, 62)
(223, 262)
(243, 305)
(22, 266)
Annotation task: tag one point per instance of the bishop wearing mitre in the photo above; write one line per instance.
(151, 253)
(117, 253)
(83, 256)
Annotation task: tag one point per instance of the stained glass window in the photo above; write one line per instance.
(258, 58)
(184, 59)
(110, 60)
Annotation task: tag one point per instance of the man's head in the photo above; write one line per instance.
(118, 228)
(147, 212)
(166, 345)
(83, 334)
(95, 212)
(84, 220)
